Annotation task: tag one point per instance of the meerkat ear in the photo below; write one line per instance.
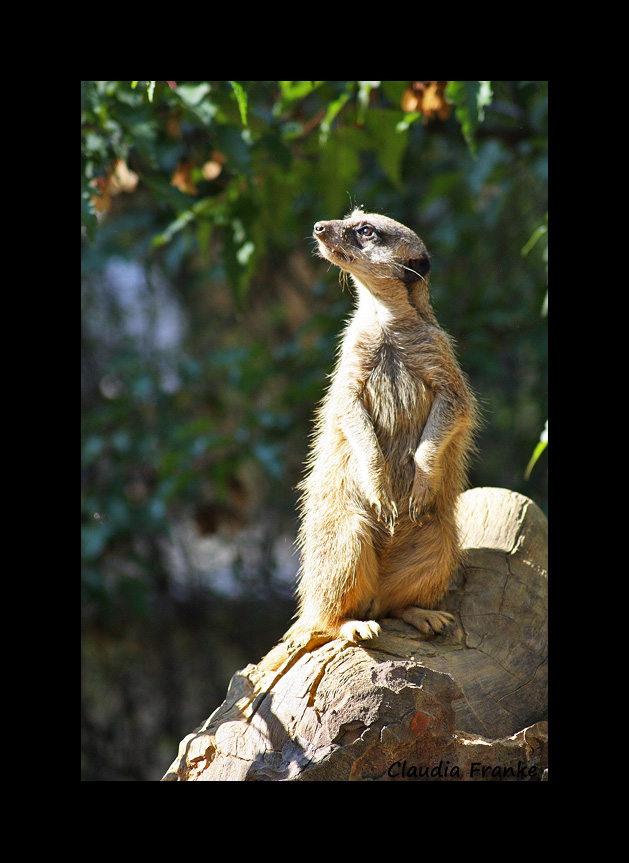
(416, 267)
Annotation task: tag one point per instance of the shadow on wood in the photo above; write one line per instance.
(467, 706)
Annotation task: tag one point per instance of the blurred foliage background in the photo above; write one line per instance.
(208, 330)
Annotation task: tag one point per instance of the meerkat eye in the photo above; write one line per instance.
(366, 231)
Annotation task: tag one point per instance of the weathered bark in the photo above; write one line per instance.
(466, 706)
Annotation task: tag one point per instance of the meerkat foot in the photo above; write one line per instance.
(359, 630)
(428, 622)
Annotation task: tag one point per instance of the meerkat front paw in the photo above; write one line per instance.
(386, 509)
(359, 630)
(419, 500)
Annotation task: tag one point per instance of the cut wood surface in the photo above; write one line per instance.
(470, 705)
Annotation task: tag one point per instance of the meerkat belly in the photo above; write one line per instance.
(398, 402)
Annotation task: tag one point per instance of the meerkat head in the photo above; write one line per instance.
(373, 248)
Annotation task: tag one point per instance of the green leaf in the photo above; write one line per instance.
(539, 232)
(539, 449)
(177, 225)
(238, 256)
(292, 90)
(192, 94)
(389, 141)
(333, 109)
(241, 98)
(470, 98)
(364, 92)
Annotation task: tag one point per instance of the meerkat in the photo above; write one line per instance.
(393, 434)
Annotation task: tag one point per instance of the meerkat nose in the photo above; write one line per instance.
(320, 227)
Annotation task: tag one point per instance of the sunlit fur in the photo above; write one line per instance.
(390, 449)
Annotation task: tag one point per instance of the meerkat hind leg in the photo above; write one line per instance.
(359, 630)
(426, 621)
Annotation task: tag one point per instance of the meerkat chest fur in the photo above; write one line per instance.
(382, 365)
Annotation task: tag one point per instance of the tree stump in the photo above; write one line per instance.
(466, 706)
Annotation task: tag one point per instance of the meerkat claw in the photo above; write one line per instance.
(359, 630)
